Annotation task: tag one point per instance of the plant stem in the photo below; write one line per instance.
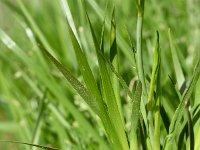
(140, 7)
(157, 125)
(140, 68)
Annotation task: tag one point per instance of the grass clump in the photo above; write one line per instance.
(99, 61)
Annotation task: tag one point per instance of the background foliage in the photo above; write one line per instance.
(37, 104)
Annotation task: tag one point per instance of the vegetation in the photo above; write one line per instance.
(88, 74)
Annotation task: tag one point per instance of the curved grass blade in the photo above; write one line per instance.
(133, 49)
(52, 86)
(155, 70)
(124, 47)
(81, 90)
(113, 43)
(190, 127)
(64, 4)
(157, 115)
(177, 66)
(109, 93)
(119, 77)
(92, 86)
(180, 110)
(29, 144)
(139, 58)
(114, 58)
(37, 129)
(141, 75)
(135, 117)
(195, 115)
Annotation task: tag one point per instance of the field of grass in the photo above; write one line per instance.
(99, 74)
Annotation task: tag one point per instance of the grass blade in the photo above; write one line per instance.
(92, 85)
(120, 40)
(64, 4)
(37, 129)
(155, 70)
(180, 110)
(139, 57)
(81, 90)
(140, 6)
(157, 115)
(119, 77)
(190, 126)
(177, 67)
(29, 144)
(113, 43)
(135, 117)
(114, 58)
(109, 93)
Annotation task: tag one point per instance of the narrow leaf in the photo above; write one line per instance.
(65, 6)
(114, 58)
(190, 126)
(81, 90)
(113, 43)
(124, 47)
(37, 129)
(180, 110)
(177, 66)
(155, 70)
(92, 85)
(24, 143)
(135, 117)
(109, 93)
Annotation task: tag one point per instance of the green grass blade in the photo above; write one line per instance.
(195, 114)
(177, 66)
(124, 47)
(12, 46)
(29, 144)
(190, 126)
(109, 93)
(140, 6)
(180, 110)
(139, 58)
(157, 122)
(119, 77)
(82, 91)
(114, 58)
(113, 43)
(133, 49)
(91, 84)
(65, 6)
(135, 117)
(157, 115)
(85, 68)
(37, 129)
(155, 70)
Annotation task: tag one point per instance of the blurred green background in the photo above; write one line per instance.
(65, 120)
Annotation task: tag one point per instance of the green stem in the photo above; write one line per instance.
(157, 125)
(140, 7)
(139, 46)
